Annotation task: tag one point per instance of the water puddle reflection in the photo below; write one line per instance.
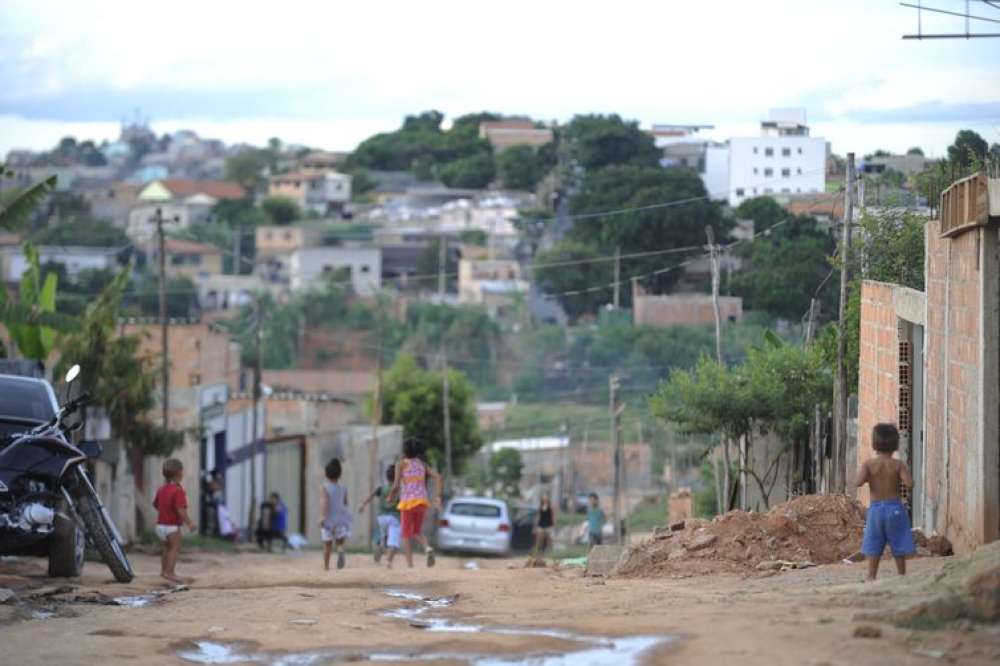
(420, 613)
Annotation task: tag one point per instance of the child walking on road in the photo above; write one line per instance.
(171, 512)
(887, 520)
(335, 527)
(388, 519)
(410, 484)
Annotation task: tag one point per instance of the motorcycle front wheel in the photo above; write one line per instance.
(104, 540)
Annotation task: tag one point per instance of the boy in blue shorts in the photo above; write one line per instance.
(887, 521)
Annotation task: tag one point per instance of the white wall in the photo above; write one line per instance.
(307, 267)
(716, 176)
(75, 261)
(749, 164)
(176, 216)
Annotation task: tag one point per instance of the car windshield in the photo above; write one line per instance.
(475, 510)
(25, 400)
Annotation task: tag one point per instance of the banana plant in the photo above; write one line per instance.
(16, 205)
(29, 333)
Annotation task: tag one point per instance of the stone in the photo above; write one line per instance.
(6, 594)
(602, 559)
(867, 631)
(662, 533)
(677, 554)
(919, 537)
(677, 526)
(985, 592)
(939, 545)
(701, 542)
(769, 565)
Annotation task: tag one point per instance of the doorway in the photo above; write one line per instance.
(285, 475)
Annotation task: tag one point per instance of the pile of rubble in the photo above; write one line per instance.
(809, 530)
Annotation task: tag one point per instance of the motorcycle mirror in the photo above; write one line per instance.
(72, 373)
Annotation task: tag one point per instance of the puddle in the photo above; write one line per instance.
(421, 614)
(134, 601)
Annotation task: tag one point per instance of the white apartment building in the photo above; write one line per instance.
(783, 160)
(320, 192)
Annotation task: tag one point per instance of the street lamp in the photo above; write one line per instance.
(156, 193)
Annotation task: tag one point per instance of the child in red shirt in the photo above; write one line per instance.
(171, 507)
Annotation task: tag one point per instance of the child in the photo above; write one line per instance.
(279, 521)
(388, 519)
(595, 520)
(336, 524)
(171, 507)
(411, 483)
(887, 520)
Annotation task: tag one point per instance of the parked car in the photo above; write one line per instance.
(475, 525)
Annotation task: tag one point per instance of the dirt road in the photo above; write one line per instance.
(270, 607)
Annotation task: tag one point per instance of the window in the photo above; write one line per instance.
(768, 173)
(798, 190)
(755, 171)
(768, 190)
(785, 190)
(755, 150)
(328, 269)
(755, 190)
(740, 191)
(769, 152)
(785, 173)
(786, 152)
(474, 510)
(365, 268)
(800, 151)
(799, 171)
(288, 235)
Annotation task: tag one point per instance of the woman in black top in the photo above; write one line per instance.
(543, 525)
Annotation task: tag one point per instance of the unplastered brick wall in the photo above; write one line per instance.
(953, 382)
(878, 382)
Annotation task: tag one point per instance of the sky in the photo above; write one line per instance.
(329, 74)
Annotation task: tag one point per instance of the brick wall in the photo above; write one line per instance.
(878, 388)
(953, 383)
(684, 309)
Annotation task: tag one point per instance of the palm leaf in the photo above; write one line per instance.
(15, 210)
(47, 303)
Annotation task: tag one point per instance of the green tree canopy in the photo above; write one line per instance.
(247, 168)
(598, 141)
(571, 266)
(84, 231)
(764, 211)
(505, 469)
(968, 150)
(916, 150)
(412, 397)
(281, 210)
(520, 167)
(472, 172)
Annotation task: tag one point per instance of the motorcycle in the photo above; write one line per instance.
(47, 501)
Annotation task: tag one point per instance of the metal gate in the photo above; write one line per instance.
(285, 475)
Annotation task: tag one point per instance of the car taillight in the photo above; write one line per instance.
(443, 522)
(504, 527)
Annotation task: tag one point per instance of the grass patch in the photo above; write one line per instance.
(923, 623)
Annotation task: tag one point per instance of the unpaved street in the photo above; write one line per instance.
(272, 606)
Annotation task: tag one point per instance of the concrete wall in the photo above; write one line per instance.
(684, 309)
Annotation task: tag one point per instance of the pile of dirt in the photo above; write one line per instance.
(809, 530)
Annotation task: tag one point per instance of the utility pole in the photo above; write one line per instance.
(376, 419)
(445, 394)
(813, 316)
(713, 251)
(616, 411)
(843, 390)
(258, 320)
(618, 273)
(164, 345)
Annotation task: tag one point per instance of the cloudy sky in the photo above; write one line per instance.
(329, 74)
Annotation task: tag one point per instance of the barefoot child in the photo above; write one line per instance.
(887, 520)
(171, 507)
(410, 483)
(388, 519)
(335, 527)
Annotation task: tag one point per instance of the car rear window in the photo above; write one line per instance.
(24, 400)
(475, 510)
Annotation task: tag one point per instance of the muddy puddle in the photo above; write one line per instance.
(46, 604)
(423, 613)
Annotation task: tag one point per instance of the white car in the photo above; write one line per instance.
(475, 524)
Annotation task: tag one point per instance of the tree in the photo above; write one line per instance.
(968, 151)
(916, 150)
(519, 167)
(281, 210)
(471, 336)
(412, 397)
(473, 172)
(429, 264)
(247, 168)
(764, 211)
(571, 266)
(182, 296)
(785, 270)
(118, 376)
(17, 205)
(505, 469)
(597, 141)
(651, 209)
(84, 231)
(34, 340)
